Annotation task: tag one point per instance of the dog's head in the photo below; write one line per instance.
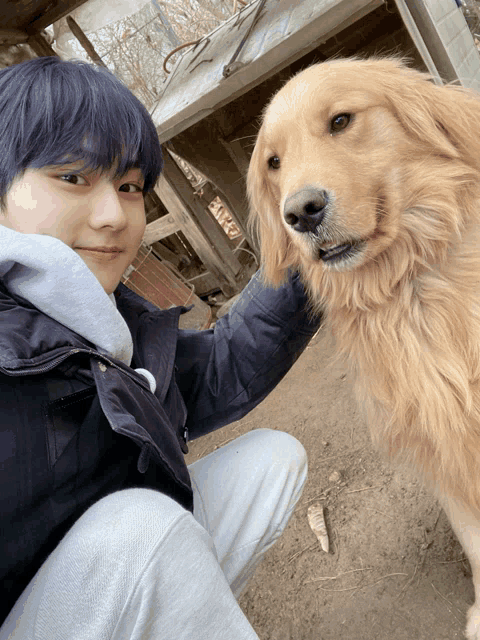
(345, 149)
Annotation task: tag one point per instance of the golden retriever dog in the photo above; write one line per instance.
(366, 178)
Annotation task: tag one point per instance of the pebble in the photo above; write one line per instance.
(336, 476)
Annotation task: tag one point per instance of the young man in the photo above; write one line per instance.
(105, 532)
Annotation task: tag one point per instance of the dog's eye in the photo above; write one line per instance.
(340, 122)
(274, 162)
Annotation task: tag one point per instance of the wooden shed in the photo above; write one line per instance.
(209, 109)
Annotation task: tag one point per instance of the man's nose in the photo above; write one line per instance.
(107, 209)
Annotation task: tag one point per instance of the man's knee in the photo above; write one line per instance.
(123, 526)
(278, 449)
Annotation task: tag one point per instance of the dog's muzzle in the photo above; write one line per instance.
(305, 210)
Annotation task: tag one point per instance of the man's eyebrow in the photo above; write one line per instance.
(67, 166)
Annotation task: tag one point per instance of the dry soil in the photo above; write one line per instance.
(395, 570)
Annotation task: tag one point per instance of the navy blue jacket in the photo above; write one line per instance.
(76, 425)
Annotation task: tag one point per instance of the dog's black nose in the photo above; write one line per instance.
(305, 210)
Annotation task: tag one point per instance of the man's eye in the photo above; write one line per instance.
(128, 187)
(73, 178)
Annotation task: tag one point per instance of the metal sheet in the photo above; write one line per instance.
(285, 31)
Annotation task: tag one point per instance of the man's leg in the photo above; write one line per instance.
(135, 566)
(244, 494)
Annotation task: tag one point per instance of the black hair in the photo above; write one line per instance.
(55, 112)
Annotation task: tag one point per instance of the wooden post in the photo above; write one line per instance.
(237, 154)
(84, 41)
(202, 230)
(13, 36)
(40, 46)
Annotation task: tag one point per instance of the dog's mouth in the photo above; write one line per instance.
(331, 252)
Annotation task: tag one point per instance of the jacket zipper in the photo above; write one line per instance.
(44, 368)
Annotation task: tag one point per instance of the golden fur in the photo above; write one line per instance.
(403, 184)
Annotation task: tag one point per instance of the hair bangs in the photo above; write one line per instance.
(61, 112)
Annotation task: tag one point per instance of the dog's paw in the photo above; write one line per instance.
(473, 622)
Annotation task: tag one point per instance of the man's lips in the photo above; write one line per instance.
(101, 249)
(100, 255)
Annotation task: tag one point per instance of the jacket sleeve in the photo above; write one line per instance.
(225, 372)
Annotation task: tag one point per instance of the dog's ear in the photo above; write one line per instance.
(446, 117)
(265, 219)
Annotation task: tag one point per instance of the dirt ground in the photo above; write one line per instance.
(395, 570)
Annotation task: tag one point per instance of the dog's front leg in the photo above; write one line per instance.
(466, 525)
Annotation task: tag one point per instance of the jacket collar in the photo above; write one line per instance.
(31, 341)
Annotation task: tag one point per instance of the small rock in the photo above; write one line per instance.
(336, 476)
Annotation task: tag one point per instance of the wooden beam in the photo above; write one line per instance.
(207, 194)
(13, 36)
(163, 253)
(202, 216)
(40, 46)
(176, 193)
(237, 154)
(161, 228)
(84, 41)
(52, 12)
(207, 191)
(213, 161)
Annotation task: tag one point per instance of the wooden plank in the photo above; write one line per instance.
(40, 46)
(448, 40)
(160, 228)
(164, 254)
(237, 154)
(204, 283)
(204, 220)
(84, 41)
(37, 14)
(12, 36)
(284, 33)
(203, 247)
(154, 281)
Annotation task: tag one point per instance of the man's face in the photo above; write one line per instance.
(100, 218)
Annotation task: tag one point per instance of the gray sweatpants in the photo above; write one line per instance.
(137, 566)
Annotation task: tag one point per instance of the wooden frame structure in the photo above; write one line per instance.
(23, 22)
(188, 214)
(210, 107)
(212, 99)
